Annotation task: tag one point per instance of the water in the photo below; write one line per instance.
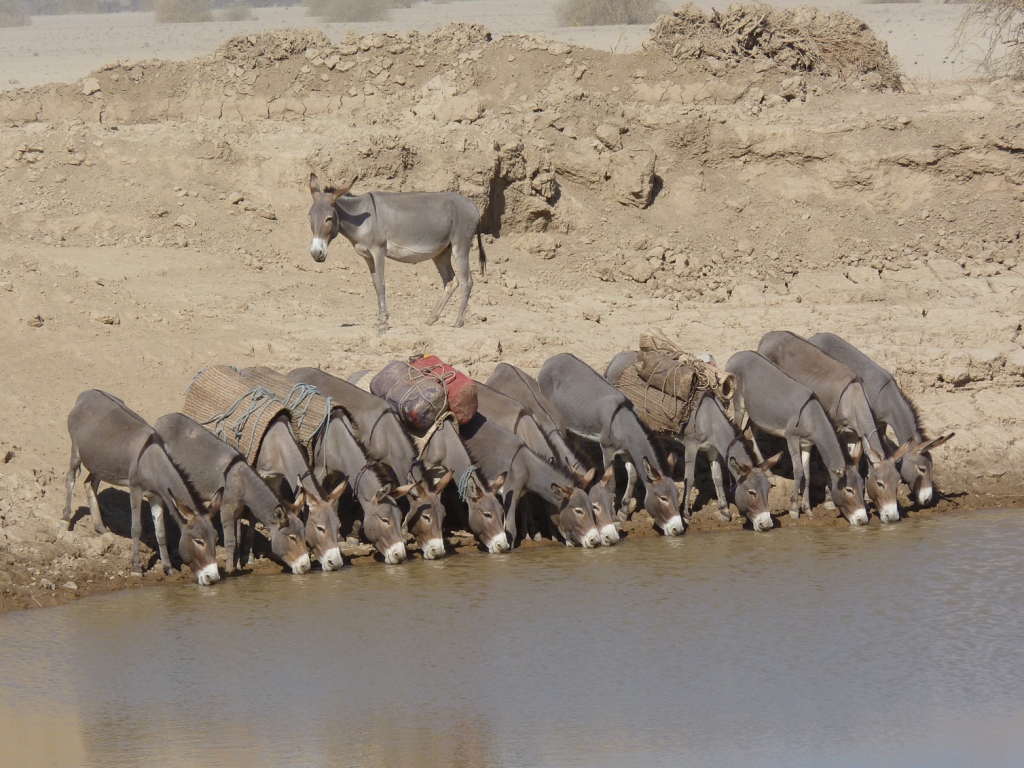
(896, 646)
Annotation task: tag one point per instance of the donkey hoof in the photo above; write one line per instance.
(725, 515)
(168, 570)
(136, 571)
(100, 528)
(458, 323)
(431, 320)
(623, 515)
(795, 514)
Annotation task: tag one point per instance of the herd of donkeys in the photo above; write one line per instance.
(819, 392)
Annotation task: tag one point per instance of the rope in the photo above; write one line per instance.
(418, 378)
(464, 481)
(359, 474)
(423, 442)
(261, 400)
(306, 392)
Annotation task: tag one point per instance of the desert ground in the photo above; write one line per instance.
(153, 199)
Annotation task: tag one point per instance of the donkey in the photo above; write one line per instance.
(891, 408)
(517, 418)
(519, 385)
(117, 446)
(603, 502)
(779, 405)
(209, 464)
(280, 460)
(502, 452)
(595, 410)
(388, 443)
(409, 227)
(443, 449)
(709, 429)
(841, 393)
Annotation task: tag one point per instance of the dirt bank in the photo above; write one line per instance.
(152, 218)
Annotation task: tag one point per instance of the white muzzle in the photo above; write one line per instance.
(674, 527)
(592, 539)
(763, 522)
(395, 553)
(498, 544)
(332, 560)
(208, 575)
(433, 549)
(890, 513)
(609, 535)
(318, 249)
(859, 517)
(924, 495)
(302, 564)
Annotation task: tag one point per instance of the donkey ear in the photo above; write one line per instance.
(561, 491)
(213, 505)
(342, 190)
(856, 452)
(314, 185)
(441, 484)
(767, 464)
(742, 470)
(183, 509)
(500, 481)
(280, 516)
(670, 460)
(338, 490)
(650, 472)
(300, 501)
(927, 446)
(413, 489)
(609, 475)
(588, 478)
(902, 450)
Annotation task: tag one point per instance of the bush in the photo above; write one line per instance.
(1000, 26)
(14, 14)
(596, 13)
(236, 12)
(181, 11)
(349, 10)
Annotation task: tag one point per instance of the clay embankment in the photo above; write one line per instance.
(153, 222)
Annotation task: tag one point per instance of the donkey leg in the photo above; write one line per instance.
(509, 502)
(69, 483)
(135, 494)
(690, 452)
(461, 255)
(443, 262)
(805, 456)
(798, 476)
(156, 508)
(92, 483)
(375, 263)
(716, 474)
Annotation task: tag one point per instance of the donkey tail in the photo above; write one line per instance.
(483, 255)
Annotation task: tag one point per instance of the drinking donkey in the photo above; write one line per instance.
(595, 410)
(335, 453)
(710, 430)
(409, 227)
(778, 404)
(841, 393)
(441, 448)
(387, 442)
(117, 446)
(891, 408)
(500, 452)
(209, 464)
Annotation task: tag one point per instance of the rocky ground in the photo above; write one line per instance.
(152, 222)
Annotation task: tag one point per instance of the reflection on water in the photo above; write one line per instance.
(879, 646)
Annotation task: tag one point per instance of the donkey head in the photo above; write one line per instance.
(916, 469)
(847, 488)
(753, 484)
(322, 525)
(426, 516)
(883, 481)
(575, 517)
(197, 545)
(323, 217)
(486, 513)
(662, 500)
(382, 522)
(288, 537)
(603, 502)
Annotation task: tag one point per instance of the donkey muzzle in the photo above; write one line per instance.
(208, 575)
(609, 535)
(318, 249)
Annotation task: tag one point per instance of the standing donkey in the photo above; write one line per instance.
(709, 429)
(117, 446)
(778, 404)
(891, 408)
(595, 410)
(409, 227)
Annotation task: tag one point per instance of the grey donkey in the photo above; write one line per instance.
(409, 227)
(891, 408)
(501, 453)
(519, 385)
(595, 410)
(841, 393)
(777, 404)
(281, 461)
(117, 446)
(710, 430)
(387, 442)
(209, 464)
(444, 450)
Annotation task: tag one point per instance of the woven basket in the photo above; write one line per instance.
(661, 412)
(310, 410)
(232, 408)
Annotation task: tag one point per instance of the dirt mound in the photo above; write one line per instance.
(803, 39)
(268, 47)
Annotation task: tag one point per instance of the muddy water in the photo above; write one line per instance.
(897, 646)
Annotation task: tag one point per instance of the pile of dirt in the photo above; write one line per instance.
(803, 39)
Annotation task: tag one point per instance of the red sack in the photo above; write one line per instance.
(461, 389)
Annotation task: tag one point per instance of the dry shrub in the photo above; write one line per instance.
(349, 10)
(803, 39)
(995, 28)
(14, 14)
(181, 11)
(597, 13)
(236, 12)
